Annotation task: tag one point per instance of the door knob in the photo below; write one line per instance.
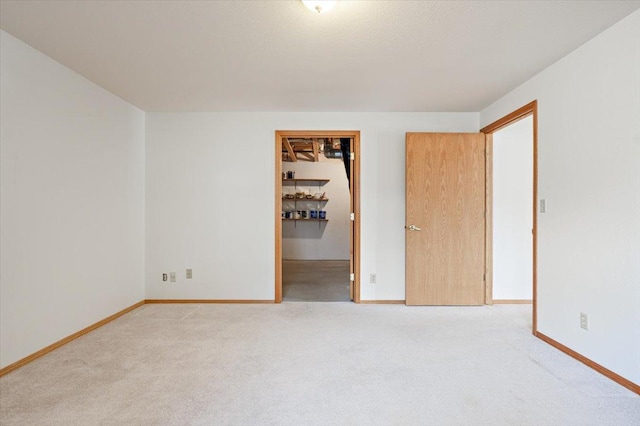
(413, 228)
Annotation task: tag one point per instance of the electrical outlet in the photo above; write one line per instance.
(372, 278)
(189, 274)
(164, 277)
(543, 205)
(172, 277)
(584, 321)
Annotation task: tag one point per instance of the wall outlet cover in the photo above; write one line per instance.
(584, 321)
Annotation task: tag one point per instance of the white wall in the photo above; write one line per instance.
(589, 173)
(201, 168)
(513, 211)
(72, 202)
(318, 240)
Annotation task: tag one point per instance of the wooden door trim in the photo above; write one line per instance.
(488, 219)
(355, 201)
(529, 109)
(517, 115)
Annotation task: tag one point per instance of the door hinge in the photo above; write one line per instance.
(352, 156)
(484, 277)
(352, 277)
(353, 216)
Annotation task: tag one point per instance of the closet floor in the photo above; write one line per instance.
(315, 280)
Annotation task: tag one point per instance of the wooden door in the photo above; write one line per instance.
(445, 228)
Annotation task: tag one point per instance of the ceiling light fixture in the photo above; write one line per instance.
(319, 6)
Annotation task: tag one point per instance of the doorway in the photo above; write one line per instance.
(317, 224)
(513, 212)
(527, 111)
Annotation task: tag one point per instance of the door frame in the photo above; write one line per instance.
(530, 109)
(354, 196)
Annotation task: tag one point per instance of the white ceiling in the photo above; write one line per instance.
(279, 56)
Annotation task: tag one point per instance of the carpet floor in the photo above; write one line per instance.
(313, 364)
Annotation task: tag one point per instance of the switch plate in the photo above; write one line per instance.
(189, 274)
(172, 277)
(584, 321)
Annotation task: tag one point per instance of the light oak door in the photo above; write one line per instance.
(445, 227)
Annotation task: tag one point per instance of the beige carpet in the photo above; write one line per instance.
(313, 364)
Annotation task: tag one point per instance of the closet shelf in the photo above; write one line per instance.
(321, 181)
(305, 220)
(311, 200)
